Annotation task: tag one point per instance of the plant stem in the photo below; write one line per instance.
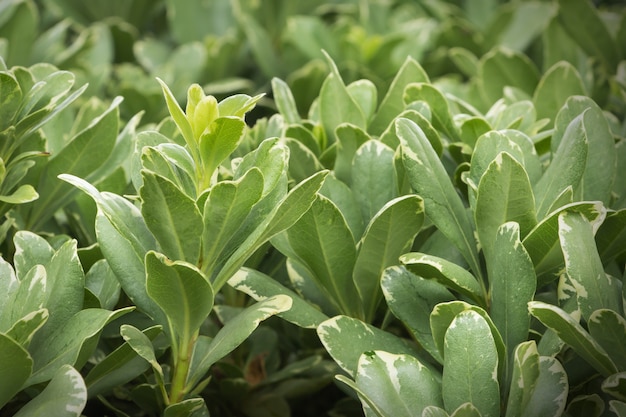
(179, 387)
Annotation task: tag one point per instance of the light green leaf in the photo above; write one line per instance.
(16, 364)
(142, 345)
(373, 177)
(504, 195)
(182, 291)
(608, 328)
(365, 96)
(557, 84)
(64, 396)
(594, 288)
(224, 136)
(285, 101)
(398, 384)
(513, 283)
(502, 68)
(302, 160)
(393, 104)
(172, 217)
(441, 116)
(260, 286)
(411, 299)
(466, 410)
(566, 168)
(180, 119)
(618, 407)
(65, 345)
(25, 194)
(611, 236)
(336, 104)
(234, 332)
(470, 365)
(543, 244)
(24, 296)
(574, 335)
(615, 385)
(168, 160)
(432, 411)
(389, 136)
(349, 139)
(390, 234)
(429, 179)
(102, 282)
(445, 272)
(524, 378)
(192, 407)
(25, 328)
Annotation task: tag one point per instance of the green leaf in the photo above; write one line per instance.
(142, 345)
(615, 385)
(365, 95)
(393, 104)
(349, 139)
(557, 84)
(502, 68)
(180, 119)
(411, 299)
(80, 157)
(591, 405)
(25, 328)
(234, 332)
(182, 292)
(168, 160)
(224, 136)
(618, 407)
(471, 365)
(504, 195)
(16, 364)
(566, 168)
(336, 104)
(172, 217)
(524, 378)
(398, 384)
(390, 234)
(260, 286)
(65, 345)
(595, 39)
(432, 411)
(513, 283)
(24, 194)
(441, 116)
(608, 328)
(429, 179)
(10, 101)
(192, 407)
(64, 396)
(346, 338)
(323, 243)
(102, 282)
(466, 410)
(225, 209)
(285, 101)
(594, 288)
(118, 367)
(543, 244)
(445, 272)
(373, 177)
(550, 394)
(574, 335)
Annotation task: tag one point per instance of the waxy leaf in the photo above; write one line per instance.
(594, 288)
(285, 101)
(513, 283)
(559, 82)
(566, 168)
(192, 407)
(346, 338)
(64, 396)
(574, 335)
(441, 116)
(398, 384)
(260, 286)
(616, 385)
(470, 365)
(393, 104)
(524, 378)
(504, 194)
(180, 119)
(349, 139)
(390, 234)
(170, 161)
(445, 272)
(217, 144)
(25, 328)
(502, 68)
(182, 291)
(550, 394)
(608, 328)
(142, 345)
(411, 299)
(235, 331)
(611, 236)
(172, 217)
(429, 179)
(16, 363)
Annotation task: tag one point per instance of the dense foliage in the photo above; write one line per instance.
(243, 208)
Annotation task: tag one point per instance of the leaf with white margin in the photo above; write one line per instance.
(399, 385)
(550, 394)
(470, 367)
(608, 328)
(15, 366)
(525, 376)
(615, 385)
(64, 396)
(574, 335)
